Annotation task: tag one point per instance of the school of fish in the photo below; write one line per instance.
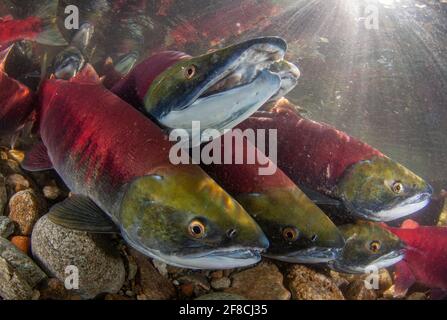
(106, 132)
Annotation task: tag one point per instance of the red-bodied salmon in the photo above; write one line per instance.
(327, 161)
(297, 229)
(425, 260)
(16, 100)
(220, 89)
(116, 162)
(39, 26)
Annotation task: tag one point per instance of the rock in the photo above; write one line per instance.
(221, 283)
(417, 296)
(54, 289)
(161, 267)
(307, 284)
(385, 281)
(198, 281)
(153, 285)
(114, 296)
(216, 274)
(10, 166)
(12, 284)
(3, 194)
(358, 291)
(51, 192)
(339, 279)
(220, 296)
(16, 155)
(23, 243)
(16, 182)
(6, 227)
(21, 262)
(25, 209)
(100, 267)
(263, 282)
(389, 293)
(187, 290)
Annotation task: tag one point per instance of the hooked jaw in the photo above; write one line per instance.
(234, 256)
(399, 210)
(309, 256)
(226, 86)
(383, 261)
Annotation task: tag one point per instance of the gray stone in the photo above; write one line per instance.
(6, 227)
(101, 269)
(21, 262)
(221, 283)
(3, 194)
(12, 284)
(262, 282)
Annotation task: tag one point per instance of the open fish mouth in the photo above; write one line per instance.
(247, 78)
(225, 258)
(402, 209)
(308, 256)
(384, 261)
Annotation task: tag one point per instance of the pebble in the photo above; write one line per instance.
(220, 296)
(23, 243)
(25, 209)
(216, 274)
(16, 155)
(54, 289)
(307, 284)
(161, 267)
(9, 166)
(3, 194)
(417, 296)
(20, 261)
(154, 286)
(114, 296)
(16, 182)
(18, 273)
(6, 227)
(198, 281)
(358, 291)
(100, 266)
(262, 282)
(221, 283)
(51, 192)
(12, 284)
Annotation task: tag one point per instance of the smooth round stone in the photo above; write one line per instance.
(61, 251)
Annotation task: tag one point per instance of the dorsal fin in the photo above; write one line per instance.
(87, 75)
(37, 159)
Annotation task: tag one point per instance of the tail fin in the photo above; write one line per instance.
(50, 34)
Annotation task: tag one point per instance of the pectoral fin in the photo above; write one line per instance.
(37, 159)
(404, 279)
(319, 198)
(82, 214)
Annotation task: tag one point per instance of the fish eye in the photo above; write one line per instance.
(231, 233)
(374, 246)
(190, 71)
(397, 187)
(196, 229)
(290, 233)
